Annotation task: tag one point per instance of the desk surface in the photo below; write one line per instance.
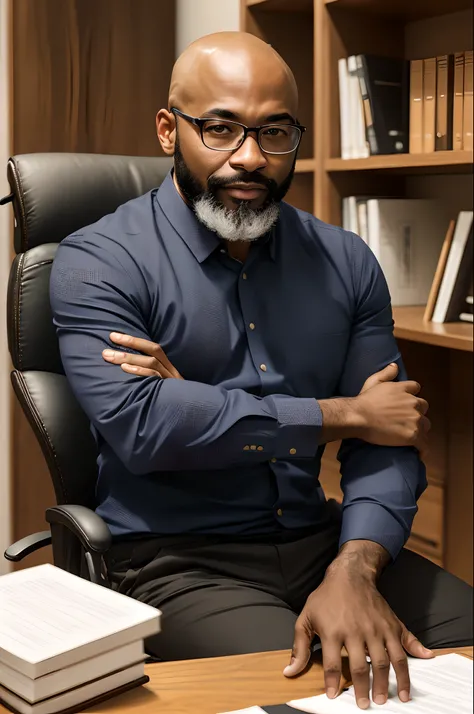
(209, 686)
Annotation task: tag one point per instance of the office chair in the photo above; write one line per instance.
(52, 196)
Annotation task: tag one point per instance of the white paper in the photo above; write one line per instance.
(45, 612)
(442, 685)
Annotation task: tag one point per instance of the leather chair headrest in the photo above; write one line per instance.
(55, 194)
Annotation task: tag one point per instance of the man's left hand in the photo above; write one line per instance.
(153, 362)
(348, 611)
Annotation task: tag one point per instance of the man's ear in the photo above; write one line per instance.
(166, 131)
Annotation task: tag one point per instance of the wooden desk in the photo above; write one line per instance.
(209, 686)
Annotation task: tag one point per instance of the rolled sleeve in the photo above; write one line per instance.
(299, 426)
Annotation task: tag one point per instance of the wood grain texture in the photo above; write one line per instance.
(223, 684)
(409, 325)
(89, 77)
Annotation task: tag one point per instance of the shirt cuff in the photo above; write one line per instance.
(371, 521)
(299, 426)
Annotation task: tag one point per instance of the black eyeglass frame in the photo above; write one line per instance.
(200, 121)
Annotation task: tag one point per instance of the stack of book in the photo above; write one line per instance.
(66, 643)
(393, 106)
(422, 263)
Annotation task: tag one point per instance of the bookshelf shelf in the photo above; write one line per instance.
(409, 325)
(403, 9)
(304, 166)
(281, 5)
(443, 162)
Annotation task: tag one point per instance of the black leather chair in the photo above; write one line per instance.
(52, 196)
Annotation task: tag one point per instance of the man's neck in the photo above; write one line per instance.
(238, 249)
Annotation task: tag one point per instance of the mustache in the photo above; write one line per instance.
(215, 182)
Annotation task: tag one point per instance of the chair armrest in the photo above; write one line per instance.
(73, 526)
(92, 532)
(19, 550)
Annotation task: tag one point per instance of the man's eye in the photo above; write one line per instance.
(275, 131)
(218, 129)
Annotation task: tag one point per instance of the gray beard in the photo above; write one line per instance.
(238, 224)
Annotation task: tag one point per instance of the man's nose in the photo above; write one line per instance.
(249, 156)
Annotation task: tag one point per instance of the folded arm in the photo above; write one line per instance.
(159, 424)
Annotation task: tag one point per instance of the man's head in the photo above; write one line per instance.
(231, 76)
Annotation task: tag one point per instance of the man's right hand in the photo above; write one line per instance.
(385, 412)
(390, 413)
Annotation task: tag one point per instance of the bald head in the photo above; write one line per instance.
(231, 65)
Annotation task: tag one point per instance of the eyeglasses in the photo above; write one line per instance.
(226, 135)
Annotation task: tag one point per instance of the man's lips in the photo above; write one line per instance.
(246, 191)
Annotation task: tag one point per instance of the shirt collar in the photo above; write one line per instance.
(199, 239)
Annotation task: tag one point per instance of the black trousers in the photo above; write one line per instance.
(222, 596)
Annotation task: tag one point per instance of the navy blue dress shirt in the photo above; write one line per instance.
(234, 447)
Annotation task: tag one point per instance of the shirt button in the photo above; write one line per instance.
(252, 326)
(279, 512)
(244, 276)
(263, 367)
(259, 448)
(292, 452)
(273, 460)
(253, 447)
(246, 448)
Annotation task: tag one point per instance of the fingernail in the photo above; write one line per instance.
(129, 367)
(331, 693)
(287, 670)
(108, 353)
(404, 696)
(115, 336)
(427, 651)
(380, 699)
(363, 703)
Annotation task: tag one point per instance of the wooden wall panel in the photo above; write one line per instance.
(88, 76)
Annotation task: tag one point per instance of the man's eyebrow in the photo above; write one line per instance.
(232, 116)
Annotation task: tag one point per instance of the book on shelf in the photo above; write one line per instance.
(405, 236)
(373, 94)
(444, 102)
(439, 272)
(65, 641)
(458, 102)
(429, 104)
(468, 116)
(457, 274)
(390, 105)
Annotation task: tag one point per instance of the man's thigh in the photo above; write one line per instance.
(218, 618)
(216, 599)
(433, 604)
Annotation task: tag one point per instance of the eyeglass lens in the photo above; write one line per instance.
(277, 138)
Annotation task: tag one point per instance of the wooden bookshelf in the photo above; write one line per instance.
(409, 325)
(442, 162)
(312, 35)
(405, 9)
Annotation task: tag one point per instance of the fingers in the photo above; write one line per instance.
(360, 671)
(422, 405)
(411, 387)
(140, 371)
(332, 666)
(413, 645)
(387, 374)
(399, 662)
(380, 670)
(147, 347)
(121, 358)
(301, 651)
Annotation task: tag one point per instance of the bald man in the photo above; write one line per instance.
(217, 338)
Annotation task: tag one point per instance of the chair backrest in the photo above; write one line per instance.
(53, 195)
